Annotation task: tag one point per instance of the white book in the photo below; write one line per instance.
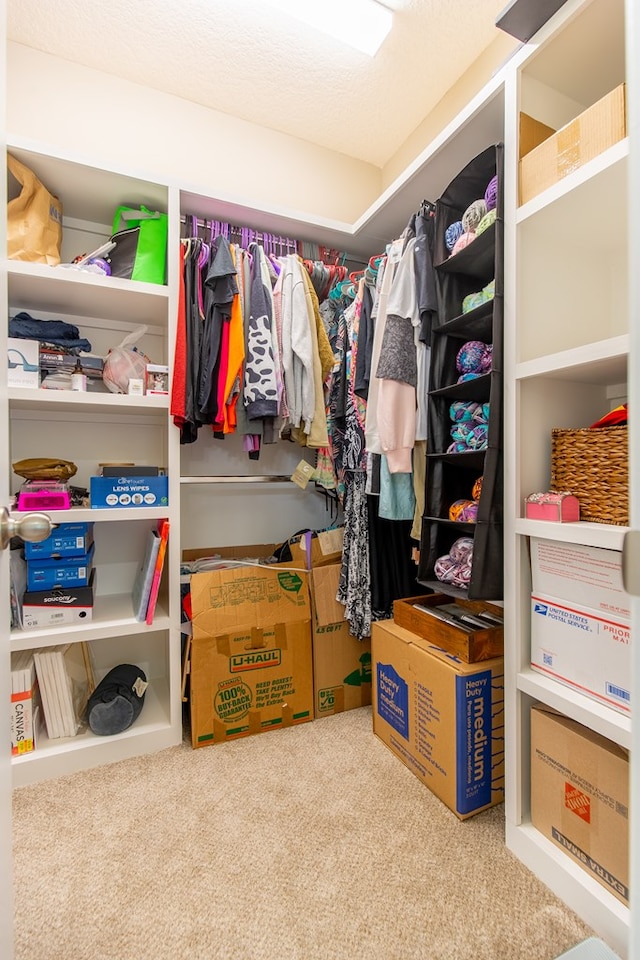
(46, 693)
(73, 681)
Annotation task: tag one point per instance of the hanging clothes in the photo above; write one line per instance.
(260, 385)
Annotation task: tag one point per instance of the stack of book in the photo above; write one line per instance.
(25, 703)
(147, 583)
(65, 681)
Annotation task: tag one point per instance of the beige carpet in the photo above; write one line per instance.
(313, 843)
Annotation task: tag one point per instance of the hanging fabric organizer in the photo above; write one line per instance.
(464, 456)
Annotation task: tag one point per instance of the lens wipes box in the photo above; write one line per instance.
(47, 573)
(67, 540)
(58, 607)
(129, 491)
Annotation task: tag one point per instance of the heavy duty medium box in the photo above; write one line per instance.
(581, 140)
(580, 796)
(341, 663)
(583, 649)
(587, 576)
(251, 660)
(443, 718)
(471, 647)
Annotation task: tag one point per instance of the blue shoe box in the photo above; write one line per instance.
(129, 491)
(67, 540)
(44, 574)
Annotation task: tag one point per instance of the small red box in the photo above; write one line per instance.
(553, 506)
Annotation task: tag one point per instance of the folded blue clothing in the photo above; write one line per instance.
(58, 332)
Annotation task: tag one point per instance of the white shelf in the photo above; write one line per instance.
(592, 534)
(601, 363)
(54, 758)
(112, 617)
(36, 398)
(53, 290)
(599, 185)
(615, 726)
(98, 514)
(588, 898)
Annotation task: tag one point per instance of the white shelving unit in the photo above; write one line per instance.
(94, 427)
(566, 357)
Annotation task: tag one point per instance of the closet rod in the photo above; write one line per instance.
(260, 235)
(266, 478)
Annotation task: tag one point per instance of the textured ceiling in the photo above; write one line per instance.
(244, 58)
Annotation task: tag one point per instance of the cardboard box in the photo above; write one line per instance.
(580, 796)
(585, 137)
(587, 576)
(55, 608)
(552, 507)
(341, 663)
(443, 718)
(251, 660)
(47, 573)
(480, 644)
(129, 491)
(67, 540)
(23, 360)
(583, 649)
(317, 549)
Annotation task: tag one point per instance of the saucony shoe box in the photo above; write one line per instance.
(67, 540)
(47, 573)
(52, 608)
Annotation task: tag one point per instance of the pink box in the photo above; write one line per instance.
(556, 507)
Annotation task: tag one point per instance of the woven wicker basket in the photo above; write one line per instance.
(593, 465)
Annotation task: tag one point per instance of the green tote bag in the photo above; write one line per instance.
(140, 252)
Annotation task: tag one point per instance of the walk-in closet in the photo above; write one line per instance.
(313, 478)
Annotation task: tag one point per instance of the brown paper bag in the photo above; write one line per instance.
(34, 219)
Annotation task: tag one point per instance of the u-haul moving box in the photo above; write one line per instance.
(251, 662)
(442, 717)
(580, 796)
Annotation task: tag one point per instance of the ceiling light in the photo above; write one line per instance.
(362, 24)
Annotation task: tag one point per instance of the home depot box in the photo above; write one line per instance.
(443, 718)
(341, 663)
(251, 662)
(580, 796)
(589, 134)
(583, 649)
(588, 576)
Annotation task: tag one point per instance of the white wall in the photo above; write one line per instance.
(118, 123)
